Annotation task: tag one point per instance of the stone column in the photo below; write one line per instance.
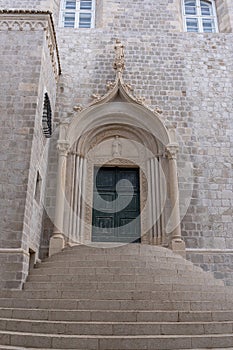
(177, 243)
(83, 201)
(57, 241)
(150, 206)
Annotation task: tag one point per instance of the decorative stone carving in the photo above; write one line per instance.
(140, 100)
(158, 110)
(128, 87)
(125, 90)
(116, 147)
(119, 64)
(22, 25)
(78, 108)
(97, 97)
(63, 147)
(172, 151)
(110, 85)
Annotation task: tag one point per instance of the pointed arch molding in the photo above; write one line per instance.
(118, 107)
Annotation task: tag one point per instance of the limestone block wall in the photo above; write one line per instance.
(34, 210)
(26, 73)
(20, 69)
(189, 76)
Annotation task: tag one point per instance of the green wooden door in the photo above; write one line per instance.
(116, 205)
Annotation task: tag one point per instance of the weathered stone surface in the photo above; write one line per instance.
(127, 319)
(188, 75)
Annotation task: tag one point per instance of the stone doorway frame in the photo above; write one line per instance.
(102, 116)
(120, 108)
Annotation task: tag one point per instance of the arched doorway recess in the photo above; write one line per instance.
(118, 131)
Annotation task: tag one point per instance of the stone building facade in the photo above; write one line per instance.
(181, 79)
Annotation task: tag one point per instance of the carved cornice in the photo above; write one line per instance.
(22, 11)
(33, 20)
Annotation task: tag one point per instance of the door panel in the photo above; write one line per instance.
(116, 205)
(105, 179)
(104, 202)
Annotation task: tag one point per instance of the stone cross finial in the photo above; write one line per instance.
(119, 63)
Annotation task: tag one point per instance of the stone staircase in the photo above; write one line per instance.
(129, 297)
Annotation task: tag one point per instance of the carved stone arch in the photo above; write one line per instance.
(96, 135)
(132, 122)
(130, 114)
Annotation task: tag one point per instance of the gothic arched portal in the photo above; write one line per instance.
(117, 131)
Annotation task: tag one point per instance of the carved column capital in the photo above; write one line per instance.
(63, 147)
(172, 150)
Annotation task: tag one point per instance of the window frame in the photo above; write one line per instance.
(77, 11)
(199, 17)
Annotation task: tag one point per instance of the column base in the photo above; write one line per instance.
(178, 247)
(56, 243)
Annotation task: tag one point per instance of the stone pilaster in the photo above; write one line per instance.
(177, 243)
(57, 241)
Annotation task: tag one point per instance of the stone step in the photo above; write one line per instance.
(132, 297)
(109, 255)
(108, 286)
(118, 264)
(115, 328)
(54, 274)
(6, 347)
(117, 267)
(107, 316)
(124, 249)
(83, 304)
(168, 283)
(95, 269)
(117, 316)
(94, 278)
(128, 258)
(121, 263)
(162, 287)
(129, 250)
(111, 277)
(120, 295)
(121, 267)
(138, 342)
